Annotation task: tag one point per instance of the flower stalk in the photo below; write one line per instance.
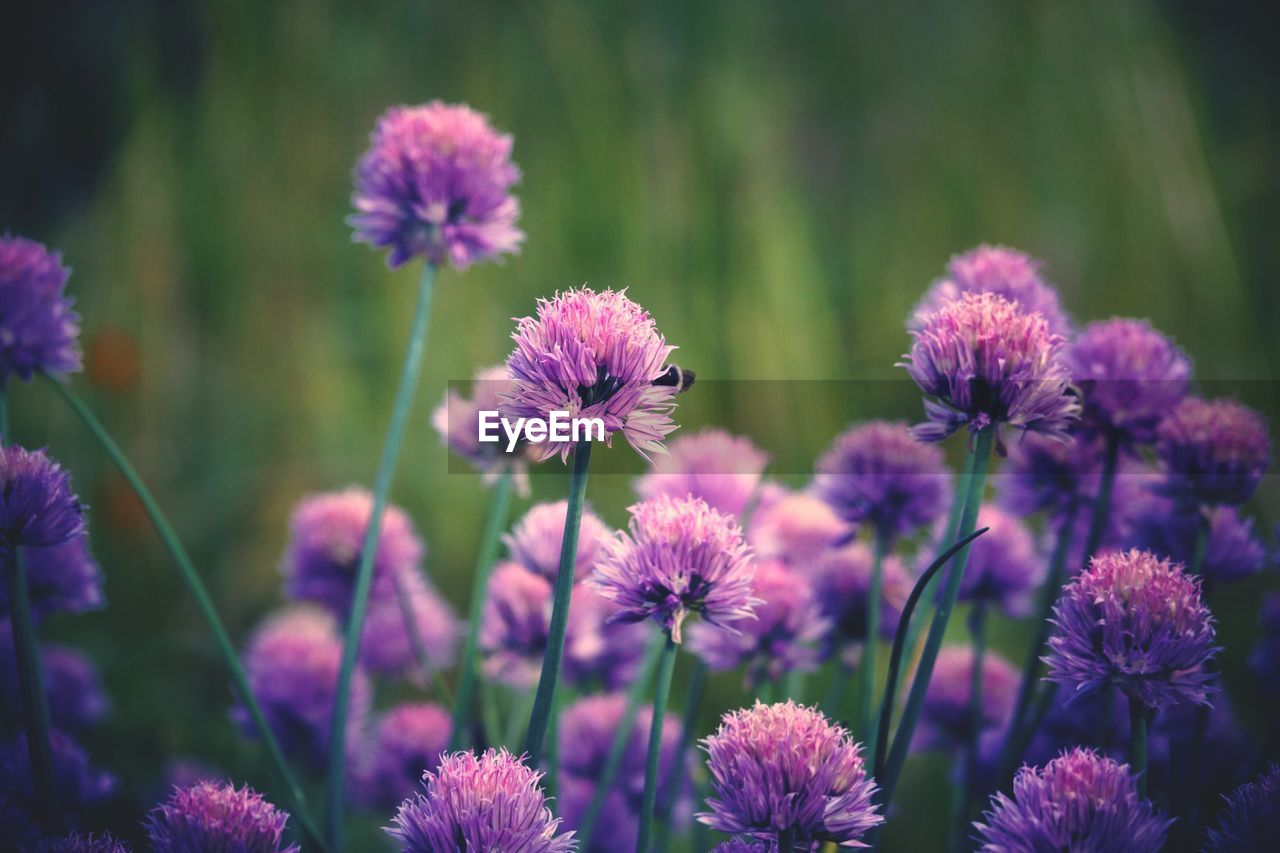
(867, 668)
(662, 694)
(544, 698)
(409, 374)
(1138, 742)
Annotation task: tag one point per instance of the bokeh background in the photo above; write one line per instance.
(777, 183)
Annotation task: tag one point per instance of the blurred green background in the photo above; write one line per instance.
(777, 183)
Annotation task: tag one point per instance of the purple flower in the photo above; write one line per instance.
(744, 844)
(1005, 568)
(1000, 270)
(1136, 621)
(77, 842)
(326, 534)
(721, 468)
(386, 645)
(782, 635)
(594, 355)
(71, 682)
(37, 507)
(876, 473)
(1214, 451)
(587, 729)
(436, 181)
(38, 329)
(292, 662)
(841, 581)
(1078, 801)
(79, 784)
(945, 718)
(219, 816)
(797, 528)
(61, 579)
(517, 625)
(1251, 819)
(681, 557)
(982, 360)
(535, 541)
(1130, 377)
(457, 419)
(787, 768)
(1167, 529)
(486, 802)
(407, 743)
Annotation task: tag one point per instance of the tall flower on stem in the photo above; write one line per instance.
(39, 333)
(984, 363)
(678, 557)
(1137, 622)
(1214, 452)
(217, 816)
(38, 509)
(435, 182)
(786, 773)
(595, 355)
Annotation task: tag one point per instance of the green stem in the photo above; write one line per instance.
(867, 668)
(899, 647)
(688, 731)
(786, 840)
(35, 702)
(1102, 504)
(297, 801)
(924, 670)
(969, 780)
(618, 746)
(544, 699)
(666, 669)
(418, 645)
(400, 411)
(1138, 743)
(499, 508)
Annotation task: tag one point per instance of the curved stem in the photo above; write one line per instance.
(1138, 743)
(544, 699)
(409, 373)
(688, 728)
(35, 702)
(867, 668)
(499, 508)
(293, 792)
(666, 669)
(900, 643)
(933, 643)
(618, 746)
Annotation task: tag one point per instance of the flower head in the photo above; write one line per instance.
(1130, 376)
(217, 816)
(1000, 270)
(408, 742)
(782, 636)
(292, 662)
(326, 534)
(1251, 819)
(389, 644)
(436, 181)
(680, 557)
(982, 360)
(1214, 451)
(877, 474)
(787, 768)
(457, 419)
(945, 718)
(38, 329)
(1165, 528)
(1136, 621)
(535, 541)
(593, 355)
(794, 527)
(37, 507)
(61, 579)
(721, 468)
(841, 583)
(1078, 801)
(744, 844)
(486, 802)
(587, 729)
(1005, 568)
